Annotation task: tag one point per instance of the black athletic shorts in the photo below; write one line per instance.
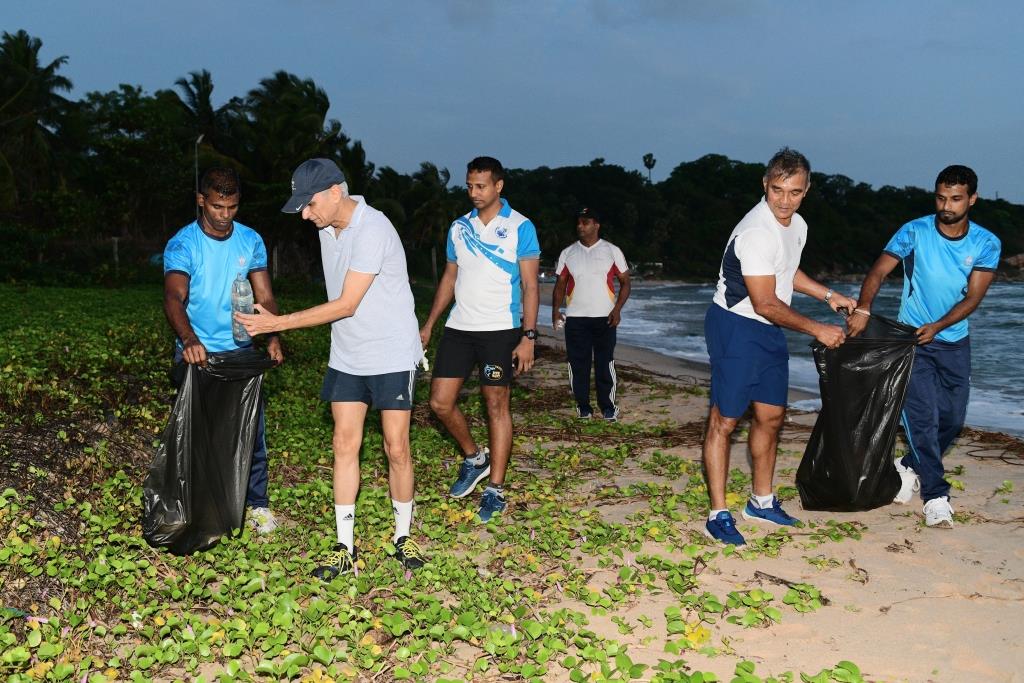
(460, 351)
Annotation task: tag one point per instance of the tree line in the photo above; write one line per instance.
(121, 164)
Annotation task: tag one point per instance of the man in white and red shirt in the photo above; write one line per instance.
(587, 271)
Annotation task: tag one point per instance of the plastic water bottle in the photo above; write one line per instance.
(241, 302)
(560, 323)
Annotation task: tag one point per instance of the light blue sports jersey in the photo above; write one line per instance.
(936, 269)
(211, 265)
(487, 287)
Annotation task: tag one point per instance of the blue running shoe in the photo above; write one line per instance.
(469, 476)
(773, 515)
(584, 413)
(491, 504)
(610, 414)
(723, 528)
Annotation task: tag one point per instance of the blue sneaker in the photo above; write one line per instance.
(773, 515)
(470, 475)
(610, 414)
(584, 413)
(491, 504)
(723, 528)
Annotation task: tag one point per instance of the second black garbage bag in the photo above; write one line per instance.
(195, 491)
(848, 464)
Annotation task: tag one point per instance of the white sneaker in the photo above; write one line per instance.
(938, 513)
(262, 520)
(910, 484)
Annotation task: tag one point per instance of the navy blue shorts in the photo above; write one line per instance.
(749, 362)
(390, 391)
(459, 351)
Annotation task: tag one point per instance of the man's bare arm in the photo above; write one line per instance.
(175, 300)
(761, 289)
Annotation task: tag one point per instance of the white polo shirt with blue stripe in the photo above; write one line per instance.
(488, 296)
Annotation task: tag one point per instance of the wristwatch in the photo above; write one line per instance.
(530, 334)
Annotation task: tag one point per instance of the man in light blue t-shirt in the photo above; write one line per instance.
(948, 264)
(375, 347)
(200, 263)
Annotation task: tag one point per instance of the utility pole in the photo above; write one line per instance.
(196, 158)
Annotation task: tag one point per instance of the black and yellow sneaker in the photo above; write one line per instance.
(408, 553)
(335, 563)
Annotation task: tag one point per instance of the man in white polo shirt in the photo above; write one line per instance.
(586, 272)
(375, 347)
(493, 258)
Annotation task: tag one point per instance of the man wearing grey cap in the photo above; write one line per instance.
(375, 347)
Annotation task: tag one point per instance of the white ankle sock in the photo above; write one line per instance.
(763, 501)
(477, 459)
(403, 518)
(345, 520)
(714, 513)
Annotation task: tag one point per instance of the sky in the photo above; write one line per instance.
(886, 92)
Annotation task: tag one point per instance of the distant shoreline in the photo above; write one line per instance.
(660, 364)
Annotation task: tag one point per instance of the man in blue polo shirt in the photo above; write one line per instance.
(948, 264)
(200, 263)
(493, 258)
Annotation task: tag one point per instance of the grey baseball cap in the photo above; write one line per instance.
(312, 176)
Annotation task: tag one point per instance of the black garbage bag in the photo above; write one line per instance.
(848, 463)
(196, 487)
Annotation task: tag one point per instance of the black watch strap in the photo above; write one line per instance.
(530, 334)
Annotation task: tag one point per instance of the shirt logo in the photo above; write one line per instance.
(501, 232)
(493, 372)
(241, 262)
(968, 260)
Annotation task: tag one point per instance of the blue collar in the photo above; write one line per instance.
(505, 211)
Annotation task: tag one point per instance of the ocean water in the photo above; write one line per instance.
(669, 318)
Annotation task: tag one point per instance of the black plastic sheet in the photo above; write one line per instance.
(848, 463)
(197, 482)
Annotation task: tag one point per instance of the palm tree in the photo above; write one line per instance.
(30, 113)
(649, 162)
(434, 210)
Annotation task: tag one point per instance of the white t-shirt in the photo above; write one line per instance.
(760, 245)
(591, 273)
(488, 294)
(383, 335)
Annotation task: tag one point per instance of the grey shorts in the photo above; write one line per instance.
(390, 391)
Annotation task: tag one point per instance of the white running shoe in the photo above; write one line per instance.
(938, 513)
(262, 520)
(910, 484)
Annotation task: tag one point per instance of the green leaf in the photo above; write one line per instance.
(533, 628)
(323, 655)
(34, 638)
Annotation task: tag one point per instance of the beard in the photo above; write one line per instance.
(949, 218)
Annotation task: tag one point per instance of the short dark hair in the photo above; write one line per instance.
(958, 175)
(223, 181)
(785, 163)
(481, 164)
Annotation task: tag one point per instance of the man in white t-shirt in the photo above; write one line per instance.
(587, 270)
(375, 347)
(749, 360)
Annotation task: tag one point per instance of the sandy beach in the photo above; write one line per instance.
(905, 603)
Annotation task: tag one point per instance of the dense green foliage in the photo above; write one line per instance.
(74, 174)
(83, 399)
